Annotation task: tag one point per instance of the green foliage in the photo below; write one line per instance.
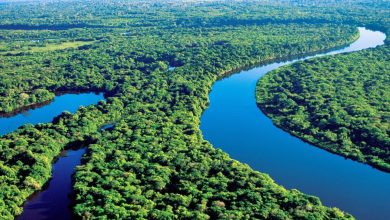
(154, 163)
(340, 103)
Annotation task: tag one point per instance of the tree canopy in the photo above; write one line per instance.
(154, 163)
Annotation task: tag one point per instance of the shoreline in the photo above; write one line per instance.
(33, 106)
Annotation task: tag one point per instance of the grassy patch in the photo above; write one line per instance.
(48, 47)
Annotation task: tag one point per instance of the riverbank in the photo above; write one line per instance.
(234, 123)
(56, 93)
(48, 111)
(345, 129)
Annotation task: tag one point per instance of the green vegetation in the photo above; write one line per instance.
(40, 47)
(154, 164)
(339, 103)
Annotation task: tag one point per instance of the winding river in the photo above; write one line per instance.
(234, 123)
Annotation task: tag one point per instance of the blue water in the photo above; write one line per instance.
(234, 123)
(53, 202)
(107, 127)
(44, 114)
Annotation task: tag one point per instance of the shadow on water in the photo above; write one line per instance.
(53, 202)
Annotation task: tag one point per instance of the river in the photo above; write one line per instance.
(53, 202)
(46, 113)
(234, 123)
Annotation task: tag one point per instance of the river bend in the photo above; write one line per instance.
(234, 123)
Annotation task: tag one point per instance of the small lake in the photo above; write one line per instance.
(53, 202)
(46, 113)
(234, 123)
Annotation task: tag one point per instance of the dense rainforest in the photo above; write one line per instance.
(154, 162)
(340, 103)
